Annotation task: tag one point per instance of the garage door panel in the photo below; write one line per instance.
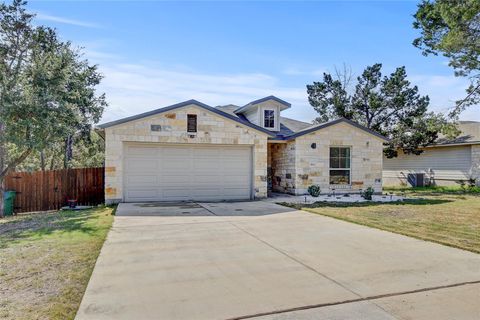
(141, 180)
(175, 194)
(210, 165)
(207, 179)
(174, 173)
(176, 152)
(236, 166)
(142, 151)
(175, 180)
(236, 152)
(141, 165)
(209, 153)
(235, 181)
(176, 164)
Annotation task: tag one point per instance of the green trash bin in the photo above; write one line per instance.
(8, 200)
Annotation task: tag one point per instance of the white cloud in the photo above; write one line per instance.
(47, 17)
(133, 88)
(136, 88)
(443, 92)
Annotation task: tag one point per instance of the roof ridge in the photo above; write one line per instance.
(183, 104)
(316, 127)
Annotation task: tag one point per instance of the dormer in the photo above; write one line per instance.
(264, 112)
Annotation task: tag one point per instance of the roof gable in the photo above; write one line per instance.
(255, 102)
(184, 104)
(331, 123)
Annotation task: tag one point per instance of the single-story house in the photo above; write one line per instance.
(192, 151)
(447, 162)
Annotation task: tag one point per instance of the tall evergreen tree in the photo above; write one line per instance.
(389, 105)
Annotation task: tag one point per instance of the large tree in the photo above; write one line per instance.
(389, 105)
(452, 28)
(47, 90)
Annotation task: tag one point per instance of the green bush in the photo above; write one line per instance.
(368, 193)
(314, 190)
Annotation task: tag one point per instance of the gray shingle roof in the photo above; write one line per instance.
(285, 103)
(470, 134)
(287, 126)
(184, 104)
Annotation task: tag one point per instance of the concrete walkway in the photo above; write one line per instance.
(263, 261)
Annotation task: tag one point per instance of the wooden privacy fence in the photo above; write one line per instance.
(50, 190)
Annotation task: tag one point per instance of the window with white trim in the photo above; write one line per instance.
(269, 118)
(340, 170)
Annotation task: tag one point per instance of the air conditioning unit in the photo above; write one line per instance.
(416, 179)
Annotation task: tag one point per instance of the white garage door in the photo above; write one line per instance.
(179, 172)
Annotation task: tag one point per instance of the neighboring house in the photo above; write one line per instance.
(447, 162)
(191, 151)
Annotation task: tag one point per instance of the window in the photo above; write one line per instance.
(340, 165)
(191, 123)
(269, 118)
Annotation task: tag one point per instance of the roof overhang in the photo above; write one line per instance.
(331, 123)
(283, 104)
(181, 105)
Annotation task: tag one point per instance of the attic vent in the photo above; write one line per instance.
(156, 127)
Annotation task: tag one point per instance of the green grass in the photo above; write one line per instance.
(451, 218)
(430, 190)
(46, 261)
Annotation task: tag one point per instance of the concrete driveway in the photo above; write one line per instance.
(259, 260)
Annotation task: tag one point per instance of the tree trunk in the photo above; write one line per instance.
(52, 162)
(68, 152)
(42, 160)
(2, 188)
(3, 155)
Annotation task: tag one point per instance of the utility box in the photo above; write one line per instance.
(416, 179)
(8, 200)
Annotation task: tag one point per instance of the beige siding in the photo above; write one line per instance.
(444, 165)
(255, 115)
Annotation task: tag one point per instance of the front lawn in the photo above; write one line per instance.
(451, 218)
(46, 261)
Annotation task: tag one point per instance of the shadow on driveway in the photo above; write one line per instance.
(192, 209)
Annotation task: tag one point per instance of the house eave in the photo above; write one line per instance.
(252, 104)
(331, 123)
(181, 105)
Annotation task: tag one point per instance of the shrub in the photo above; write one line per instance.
(367, 193)
(314, 190)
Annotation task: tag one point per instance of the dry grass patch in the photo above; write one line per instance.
(46, 261)
(452, 219)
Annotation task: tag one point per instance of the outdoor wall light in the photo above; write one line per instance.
(314, 145)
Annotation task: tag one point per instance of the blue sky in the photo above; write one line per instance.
(156, 53)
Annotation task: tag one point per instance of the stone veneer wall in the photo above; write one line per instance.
(312, 165)
(172, 128)
(283, 167)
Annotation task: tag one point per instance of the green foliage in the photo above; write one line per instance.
(47, 90)
(452, 28)
(389, 105)
(314, 190)
(87, 152)
(368, 193)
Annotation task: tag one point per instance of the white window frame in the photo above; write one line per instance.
(264, 118)
(349, 184)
